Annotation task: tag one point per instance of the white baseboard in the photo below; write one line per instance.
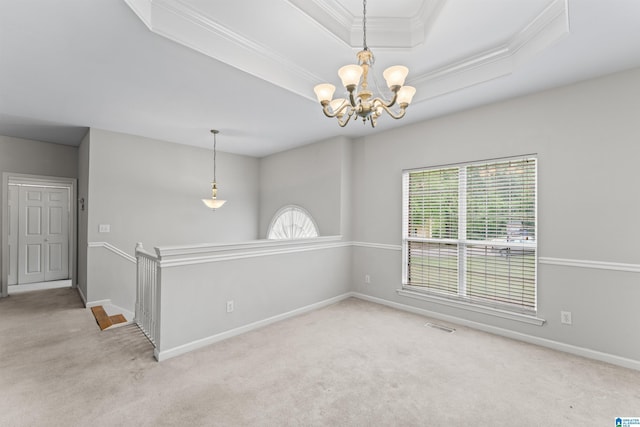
(543, 342)
(17, 289)
(95, 303)
(185, 348)
(111, 309)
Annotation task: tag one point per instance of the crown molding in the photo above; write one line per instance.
(329, 15)
(393, 32)
(539, 34)
(177, 21)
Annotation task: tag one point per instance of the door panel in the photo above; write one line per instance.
(34, 220)
(31, 238)
(55, 221)
(34, 259)
(55, 258)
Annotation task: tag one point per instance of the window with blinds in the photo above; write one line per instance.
(469, 232)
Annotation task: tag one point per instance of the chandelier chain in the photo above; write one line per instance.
(364, 25)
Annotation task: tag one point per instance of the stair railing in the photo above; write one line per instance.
(147, 315)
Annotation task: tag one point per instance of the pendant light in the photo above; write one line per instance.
(214, 203)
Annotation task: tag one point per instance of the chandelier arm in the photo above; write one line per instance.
(352, 100)
(344, 123)
(390, 103)
(325, 110)
(399, 115)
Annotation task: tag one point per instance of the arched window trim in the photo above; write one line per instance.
(292, 208)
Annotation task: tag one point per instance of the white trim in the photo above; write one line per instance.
(271, 247)
(491, 311)
(181, 23)
(403, 32)
(600, 265)
(166, 251)
(28, 179)
(580, 263)
(55, 284)
(113, 249)
(110, 309)
(377, 246)
(543, 342)
(243, 255)
(169, 18)
(542, 32)
(194, 345)
(197, 254)
(97, 302)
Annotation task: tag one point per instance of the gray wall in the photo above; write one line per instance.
(149, 191)
(194, 296)
(314, 176)
(586, 138)
(83, 217)
(36, 158)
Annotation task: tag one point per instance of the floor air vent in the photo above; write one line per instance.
(441, 327)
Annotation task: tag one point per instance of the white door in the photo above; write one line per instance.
(43, 234)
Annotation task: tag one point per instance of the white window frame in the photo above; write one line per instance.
(292, 208)
(460, 300)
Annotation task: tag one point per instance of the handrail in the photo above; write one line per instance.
(113, 249)
(147, 315)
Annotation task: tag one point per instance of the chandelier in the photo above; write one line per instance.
(214, 203)
(361, 102)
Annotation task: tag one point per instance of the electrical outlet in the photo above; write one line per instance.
(229, 306)
(565, 317)
(105, 228)
(367, 279)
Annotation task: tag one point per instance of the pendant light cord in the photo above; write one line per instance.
(214, 157)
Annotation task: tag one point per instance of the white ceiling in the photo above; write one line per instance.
(173, 69)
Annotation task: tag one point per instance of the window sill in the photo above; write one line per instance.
(496, 312)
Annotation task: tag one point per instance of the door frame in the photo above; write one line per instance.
(45, 181)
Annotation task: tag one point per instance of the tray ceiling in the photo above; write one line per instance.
(294, 56)
(173, 69)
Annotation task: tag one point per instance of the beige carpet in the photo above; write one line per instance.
(350, 364)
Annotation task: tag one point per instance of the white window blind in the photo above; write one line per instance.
(433, 214)
(469, 232)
